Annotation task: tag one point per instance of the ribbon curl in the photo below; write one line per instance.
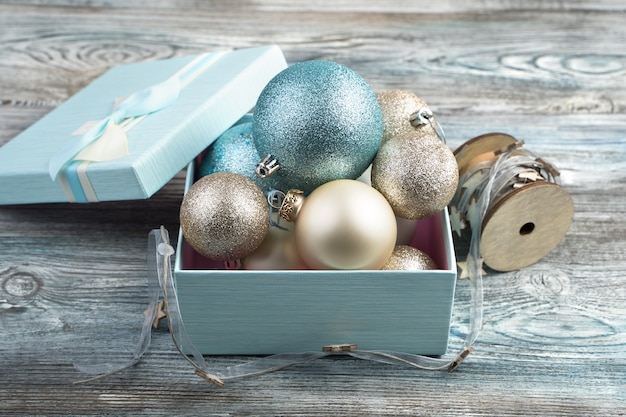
(162, 286)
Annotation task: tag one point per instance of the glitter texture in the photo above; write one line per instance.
(416, 172)
(408, 258)
(397, 107)
(321, 121)
(223, 216)
(234, 151)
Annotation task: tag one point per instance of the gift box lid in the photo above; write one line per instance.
(131, 130)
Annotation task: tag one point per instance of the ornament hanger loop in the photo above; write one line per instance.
(425, 117)
(439, 130)
(275, 199)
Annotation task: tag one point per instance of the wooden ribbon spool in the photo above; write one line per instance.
(528, 218)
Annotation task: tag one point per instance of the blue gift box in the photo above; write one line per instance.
(225, 311)
(276, 311)
(177, 108)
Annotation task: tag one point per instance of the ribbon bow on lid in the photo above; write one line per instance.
(138, 104)
(106, 140)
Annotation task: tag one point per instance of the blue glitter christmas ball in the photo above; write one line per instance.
(234, 151)
(321, 121)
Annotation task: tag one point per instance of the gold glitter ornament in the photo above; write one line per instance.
(345, 224)
(399, 108)
(224, 217)
(408, 258)
(416, 172)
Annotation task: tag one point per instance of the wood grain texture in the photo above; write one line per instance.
(72, 280)
(525, 225)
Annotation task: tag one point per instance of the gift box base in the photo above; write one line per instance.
(230, 312)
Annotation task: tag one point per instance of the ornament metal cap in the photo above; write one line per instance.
(268, 166)
(421, 117)
(291, 205)
(424, 117)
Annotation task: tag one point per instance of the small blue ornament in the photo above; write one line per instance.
(234, 151)
(321, 121)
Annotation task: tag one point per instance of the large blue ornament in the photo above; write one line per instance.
(234, 151)
(321, 121)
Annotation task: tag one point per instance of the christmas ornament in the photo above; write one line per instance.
(223, 216)
(408, 258)
(277, 251)
(234, 151)
(343, 224)
(315, 122)
(401, 111)
(416, 172)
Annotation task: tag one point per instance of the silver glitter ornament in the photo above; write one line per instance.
(223, 216)
(234, 151)
(416, 172)
(320, 121)
(398, 108)
(408, 258)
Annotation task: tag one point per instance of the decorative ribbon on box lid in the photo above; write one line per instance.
(106, 139)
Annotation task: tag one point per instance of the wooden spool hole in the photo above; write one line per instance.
(525, 225)
(527, 228)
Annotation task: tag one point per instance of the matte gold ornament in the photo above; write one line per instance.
(277, 252)
(345, 224)
(416, 172)
(223, 216)
(400, 108)
(408, 258)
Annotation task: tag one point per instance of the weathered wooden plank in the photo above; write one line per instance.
(329, 386)
(401, 6)
(448, 62)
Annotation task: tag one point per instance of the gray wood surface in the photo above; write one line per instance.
(72, 280)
